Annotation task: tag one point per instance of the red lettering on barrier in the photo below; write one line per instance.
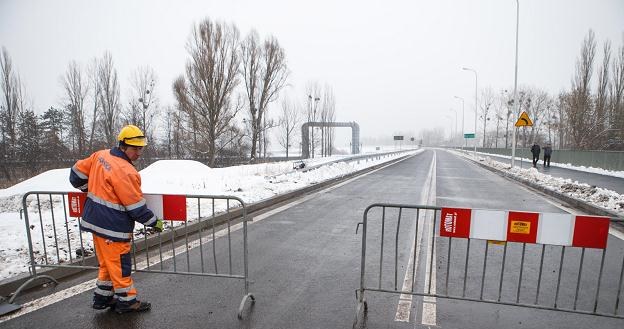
(76, 203)
(174, 207)
(522, 226)
(591, 232)
(455, 222)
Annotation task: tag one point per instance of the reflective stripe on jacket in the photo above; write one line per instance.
(115, 200)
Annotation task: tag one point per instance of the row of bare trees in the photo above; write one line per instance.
(588, 116)
(88, 117)
(221, 110)
(206, 93)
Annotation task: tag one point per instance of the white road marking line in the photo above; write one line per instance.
(429, 303)
(405, 300)
(90, 284)
(429, 306)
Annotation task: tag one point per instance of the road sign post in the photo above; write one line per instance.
(400, 139)
(523, 121)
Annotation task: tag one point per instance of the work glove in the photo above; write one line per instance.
(159, 225)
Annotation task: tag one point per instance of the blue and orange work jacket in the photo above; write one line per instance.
(114, 200)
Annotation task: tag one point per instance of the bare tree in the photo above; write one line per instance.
(617, 97)
(211, 77)
(13, 102)
(109, 98)
(288, 121)
(143, 103)
(537, 103)
(328, 114)
(563, 104)
(95, 90)
(267, 123)
(76, 91)
(487, 101)
(580, 107)
(313, 92)
(176, 133)
(508, 119)
(500, 111)
(601, 110)
(187, 115)
(264, 71)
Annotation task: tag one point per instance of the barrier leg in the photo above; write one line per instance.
(243, 302)
(25, 284)
(362, 307)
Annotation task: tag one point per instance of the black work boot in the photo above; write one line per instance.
(103, 302)
(132, 306)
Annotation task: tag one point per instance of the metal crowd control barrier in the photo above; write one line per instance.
(558, 262)
(203, 245)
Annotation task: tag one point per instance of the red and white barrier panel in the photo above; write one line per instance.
(166, 207)
(527, 227)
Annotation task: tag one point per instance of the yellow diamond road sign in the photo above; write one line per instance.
(524, 120)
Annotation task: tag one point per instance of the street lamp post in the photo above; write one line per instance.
(476, 106)
(462, 100)
(515, 96)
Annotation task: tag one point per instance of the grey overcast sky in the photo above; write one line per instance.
(394, 66)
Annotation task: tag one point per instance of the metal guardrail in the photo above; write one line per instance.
(357, 158)
(543, 276)
(202, 247)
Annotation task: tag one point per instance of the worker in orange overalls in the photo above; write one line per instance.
(114, 203)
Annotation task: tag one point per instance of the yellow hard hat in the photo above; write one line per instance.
(131, 135)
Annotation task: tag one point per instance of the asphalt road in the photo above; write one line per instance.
(305, 264)
(608, 182)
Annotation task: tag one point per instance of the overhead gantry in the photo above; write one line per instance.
(305, 140)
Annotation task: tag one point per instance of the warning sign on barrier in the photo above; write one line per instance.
(455, 222)
(522, 226)
(76, 203)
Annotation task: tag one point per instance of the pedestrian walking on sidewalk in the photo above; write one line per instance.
(535, 149)
(547, 154)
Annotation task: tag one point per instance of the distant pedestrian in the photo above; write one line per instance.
(535, 149)
(547, 154)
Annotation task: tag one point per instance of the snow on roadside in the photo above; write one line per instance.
(593, 170)
(601, 197)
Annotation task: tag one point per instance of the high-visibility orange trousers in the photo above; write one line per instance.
(115, 262)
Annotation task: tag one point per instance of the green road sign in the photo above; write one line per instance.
(469, 135)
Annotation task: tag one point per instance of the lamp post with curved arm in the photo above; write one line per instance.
(515, 96)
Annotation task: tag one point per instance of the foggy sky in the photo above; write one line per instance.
(394, 66)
